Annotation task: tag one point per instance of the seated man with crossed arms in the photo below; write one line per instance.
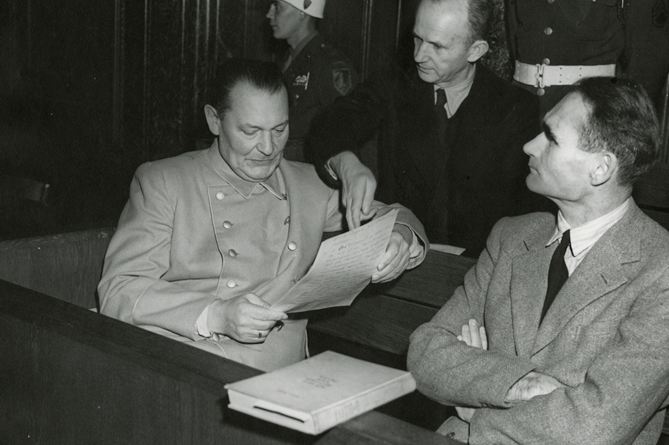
(560, 333)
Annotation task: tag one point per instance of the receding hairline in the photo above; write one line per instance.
(243, 86)
(461, 7)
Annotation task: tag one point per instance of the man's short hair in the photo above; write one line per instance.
(479, 18)
(265, 76)
(622, 120)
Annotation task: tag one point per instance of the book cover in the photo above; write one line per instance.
(320, 392)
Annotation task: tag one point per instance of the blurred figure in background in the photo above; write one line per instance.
(316, 73)
(557, 42)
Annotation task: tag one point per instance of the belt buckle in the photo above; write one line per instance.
(539, 76)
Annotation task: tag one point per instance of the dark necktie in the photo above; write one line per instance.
(441, 101)
(557, 273)
(442, 117)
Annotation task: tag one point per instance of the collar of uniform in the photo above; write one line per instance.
(300, 46)
(242, 186)
(584, 237)
(455, 95)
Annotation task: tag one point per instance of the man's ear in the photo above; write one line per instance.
(477, 50)
(605, 168)
(212, 119)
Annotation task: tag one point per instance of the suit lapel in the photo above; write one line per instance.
(528, 287)
(602, 271)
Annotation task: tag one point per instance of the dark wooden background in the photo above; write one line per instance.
(90, 90)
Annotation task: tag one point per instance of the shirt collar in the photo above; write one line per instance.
(585, 236)
(455, 95)
(300, 46)
(245, 188)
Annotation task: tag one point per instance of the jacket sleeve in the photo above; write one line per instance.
(449, 371)
(131, 288)
(347, 124)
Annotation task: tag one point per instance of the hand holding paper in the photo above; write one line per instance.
(246, 318)
(343, 267)
(395, 259)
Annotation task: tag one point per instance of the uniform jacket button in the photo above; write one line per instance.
(231, 283)
(232, 253)
(292, 246)
(227, 224)
(220, 196)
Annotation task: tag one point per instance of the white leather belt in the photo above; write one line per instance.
(540, 76)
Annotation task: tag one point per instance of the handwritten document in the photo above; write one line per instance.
(343, 267)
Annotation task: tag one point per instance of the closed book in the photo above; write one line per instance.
(320, 392)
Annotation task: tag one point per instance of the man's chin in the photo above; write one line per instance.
(259, 174)
(531, 183)
(425, 76)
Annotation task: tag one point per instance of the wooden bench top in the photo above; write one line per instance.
(74, 376)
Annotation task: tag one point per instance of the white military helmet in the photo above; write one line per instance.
(312, 7)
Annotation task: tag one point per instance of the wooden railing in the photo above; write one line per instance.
(71, 375)
(75, 374)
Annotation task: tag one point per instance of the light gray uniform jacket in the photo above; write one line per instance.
(171, 254)
(606, 337)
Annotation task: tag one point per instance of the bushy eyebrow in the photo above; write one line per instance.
(548, 132)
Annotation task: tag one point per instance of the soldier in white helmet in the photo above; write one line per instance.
(316, 73)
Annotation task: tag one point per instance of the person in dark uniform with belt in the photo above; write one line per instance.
(557, 42)
(316, 73)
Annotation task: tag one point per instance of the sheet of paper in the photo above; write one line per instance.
(342, 268)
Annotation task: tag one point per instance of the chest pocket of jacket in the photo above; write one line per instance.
(576, 11)
(577, 348)
(592, 338)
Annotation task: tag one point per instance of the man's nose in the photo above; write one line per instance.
(420, 52)
(270, 12)
(266, 145)
(531, 147)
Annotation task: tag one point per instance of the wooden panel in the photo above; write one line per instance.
(61, 75)
(652, 189)
(65, 266)
(73, 376)
(651, 193)
(343, 25)
(79, 377)
(396, 433)
(377, 321)
(90, 90)
(432, 283)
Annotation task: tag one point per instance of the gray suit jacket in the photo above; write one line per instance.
(606, 337)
